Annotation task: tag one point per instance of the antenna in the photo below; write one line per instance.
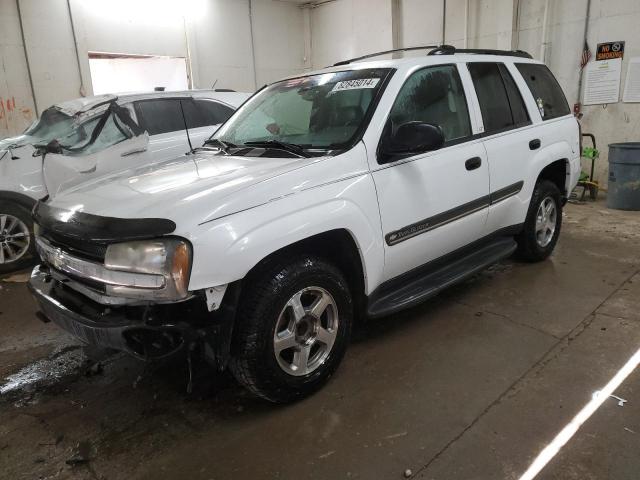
(186, 129)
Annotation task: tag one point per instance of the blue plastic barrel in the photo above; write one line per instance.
(624, 176)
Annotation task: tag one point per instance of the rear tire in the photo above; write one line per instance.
(542, 225)
(17, 243)
(293, 328)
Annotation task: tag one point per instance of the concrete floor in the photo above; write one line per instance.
(472, 385)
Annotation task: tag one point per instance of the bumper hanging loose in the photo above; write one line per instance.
(147, 332)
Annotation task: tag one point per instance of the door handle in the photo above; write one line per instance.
(534, 144)
(473, 163)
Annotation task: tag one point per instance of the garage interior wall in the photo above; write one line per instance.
(347, 28)
(214, 34)
(224, 39)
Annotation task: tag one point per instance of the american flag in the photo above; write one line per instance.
(586, 55)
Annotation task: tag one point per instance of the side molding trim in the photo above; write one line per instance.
(431, 223)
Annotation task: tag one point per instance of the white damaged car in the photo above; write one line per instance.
(81, 139)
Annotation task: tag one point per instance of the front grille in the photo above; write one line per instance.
(86, 249)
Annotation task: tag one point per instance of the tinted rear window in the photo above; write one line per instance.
(518, 109)
(214, 112)
(545, 90)
(492, 96)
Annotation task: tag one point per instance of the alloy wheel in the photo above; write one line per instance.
(14, 238)
(546, 221)
(306, 331)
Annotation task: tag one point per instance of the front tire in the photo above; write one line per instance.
(17, 245)
(293, 328)
(542, 225)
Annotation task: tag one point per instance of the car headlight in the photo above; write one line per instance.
(169, 258)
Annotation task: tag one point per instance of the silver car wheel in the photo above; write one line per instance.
(546, 221)
(305, 331)
(14, 238)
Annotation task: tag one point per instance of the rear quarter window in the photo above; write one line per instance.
(545, 89)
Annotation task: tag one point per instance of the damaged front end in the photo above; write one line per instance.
(122, 284)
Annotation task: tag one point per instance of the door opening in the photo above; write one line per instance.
(118, 73)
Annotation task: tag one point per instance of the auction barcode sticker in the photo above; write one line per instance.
(355, 84)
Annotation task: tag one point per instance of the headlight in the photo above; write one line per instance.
(169, 258)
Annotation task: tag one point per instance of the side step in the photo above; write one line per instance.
(420, 286)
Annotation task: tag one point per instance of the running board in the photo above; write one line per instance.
(420, 287)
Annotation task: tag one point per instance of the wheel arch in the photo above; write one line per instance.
(20, 199)
(559, 173)
(337, 246)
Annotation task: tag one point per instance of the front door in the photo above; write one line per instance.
(436, 202)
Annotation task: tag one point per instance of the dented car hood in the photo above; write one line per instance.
(211, 184)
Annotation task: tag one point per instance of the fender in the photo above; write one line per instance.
(226, 250)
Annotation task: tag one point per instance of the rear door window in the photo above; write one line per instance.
(545, 90)
(204, 113)
(213, 112)
(496, 95)
(160, 116)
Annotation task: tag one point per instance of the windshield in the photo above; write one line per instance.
(325, 111)
(52, 124)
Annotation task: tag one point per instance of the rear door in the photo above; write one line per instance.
(509, 139)
(435, 202)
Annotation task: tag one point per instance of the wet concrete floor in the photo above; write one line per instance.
(471, 385)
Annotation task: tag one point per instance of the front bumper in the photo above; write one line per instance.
(146, 332)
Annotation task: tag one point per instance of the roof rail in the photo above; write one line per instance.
(377, 54)
(441, 50)
(450, 50)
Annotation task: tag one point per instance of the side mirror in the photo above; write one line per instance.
(135, 145)
(53, 147)
(412, 138)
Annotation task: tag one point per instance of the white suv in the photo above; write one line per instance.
(354, 191)
(93, 136)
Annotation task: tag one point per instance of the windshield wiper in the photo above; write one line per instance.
(289, 147)
(224, 146)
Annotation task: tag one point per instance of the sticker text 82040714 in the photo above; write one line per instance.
(355, 84)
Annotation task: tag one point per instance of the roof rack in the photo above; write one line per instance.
(377, 54)
(440, 50)
(450, 50)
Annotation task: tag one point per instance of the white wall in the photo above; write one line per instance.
(420, 22)
(279, 39)
(348, 28)
(215, 33)
(14, 81)
(609, 21)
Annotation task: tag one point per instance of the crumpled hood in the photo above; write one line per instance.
(203, 181)
(82, 104)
